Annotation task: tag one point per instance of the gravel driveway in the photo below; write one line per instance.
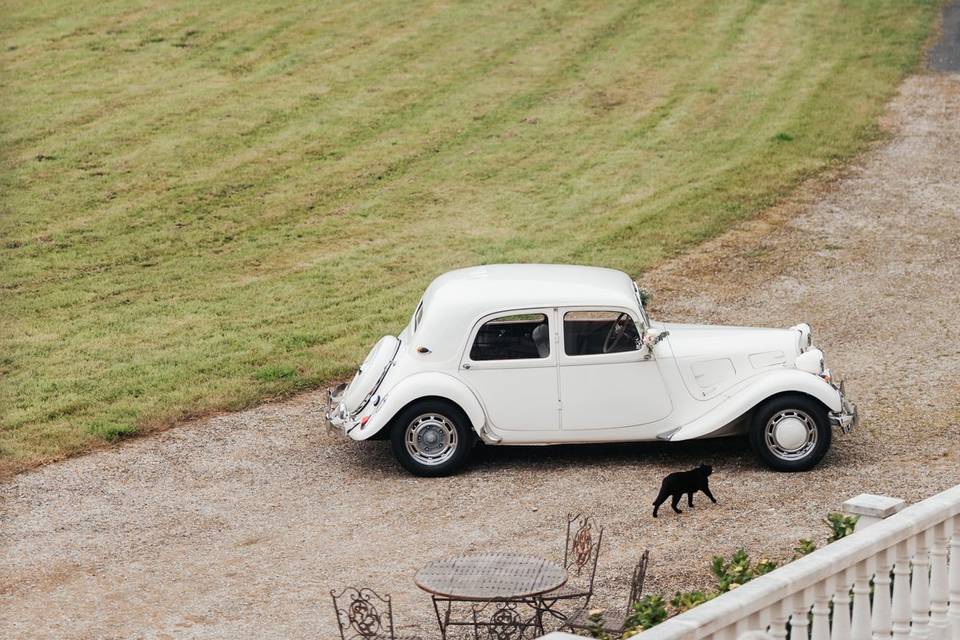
(238, 525)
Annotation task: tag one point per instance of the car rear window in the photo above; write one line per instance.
(515, 337)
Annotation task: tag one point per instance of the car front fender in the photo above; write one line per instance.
(744, 397)
(431, 384)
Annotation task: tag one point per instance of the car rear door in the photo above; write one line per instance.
(511, 364)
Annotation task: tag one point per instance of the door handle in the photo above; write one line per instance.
(466, 365)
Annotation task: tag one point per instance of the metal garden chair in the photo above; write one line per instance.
(615, 625)
(581, 554)
(362, 614)
(505, 620)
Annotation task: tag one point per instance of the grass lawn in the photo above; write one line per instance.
(206, 204)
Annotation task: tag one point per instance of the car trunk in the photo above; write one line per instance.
(370, 374)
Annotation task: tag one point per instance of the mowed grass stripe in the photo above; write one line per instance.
(232, 201)
(276, 175)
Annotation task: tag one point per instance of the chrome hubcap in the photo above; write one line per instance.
(790, 434)
(431, 439)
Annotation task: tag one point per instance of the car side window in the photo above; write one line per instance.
(514, 337)
(587, 333)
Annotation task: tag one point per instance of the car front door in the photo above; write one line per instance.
(511, 364)
(607, 378)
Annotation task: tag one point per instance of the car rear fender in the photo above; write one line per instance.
(431, 384)
(750, 393)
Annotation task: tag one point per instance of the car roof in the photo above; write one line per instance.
(498, 286)
(457, 299)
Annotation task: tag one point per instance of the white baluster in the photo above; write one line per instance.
(726, 633)
(881, 603)
(861, 605)
(821, 615)
(799, 623)
(841, 612)
(778, 626)
(954, 612)
(900, 609)
(920, 591)
(750, 623)
(939, 594)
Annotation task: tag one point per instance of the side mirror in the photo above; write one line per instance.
(651, 337)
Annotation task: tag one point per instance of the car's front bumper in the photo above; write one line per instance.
(848, 417)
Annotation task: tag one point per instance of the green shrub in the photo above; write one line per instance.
(596, 629)
(737, 570)
(648, 612)
(805, 546)
(840, 525)
(686, 600)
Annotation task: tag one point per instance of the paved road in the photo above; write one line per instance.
(945, 54)
(239, 525)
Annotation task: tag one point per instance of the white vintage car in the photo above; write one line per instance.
(551, 354)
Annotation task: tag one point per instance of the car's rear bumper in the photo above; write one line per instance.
(337, 416)
(848, 417)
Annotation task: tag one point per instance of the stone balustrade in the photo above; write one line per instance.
(898, 577)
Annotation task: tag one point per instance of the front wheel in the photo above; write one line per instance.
(432, 438)
(790, 432)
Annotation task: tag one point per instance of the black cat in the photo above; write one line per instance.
(684, 482)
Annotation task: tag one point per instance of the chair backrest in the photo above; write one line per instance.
(498, 620)
(636, 581)
(582, 550)
(363, 614)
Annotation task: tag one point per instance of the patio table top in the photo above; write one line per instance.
(490, 576)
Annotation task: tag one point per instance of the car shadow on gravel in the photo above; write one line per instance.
(374, 459)
(724, 451)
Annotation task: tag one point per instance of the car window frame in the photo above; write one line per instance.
(634, 355)
(466, 362)
(644, 318)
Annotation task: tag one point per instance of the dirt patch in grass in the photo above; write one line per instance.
(238, 525)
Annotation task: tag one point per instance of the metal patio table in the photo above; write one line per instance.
(488, 577)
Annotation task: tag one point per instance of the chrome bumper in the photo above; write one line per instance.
(337, 417)
(848, 417)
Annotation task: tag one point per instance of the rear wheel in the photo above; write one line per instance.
(432, 438)
(790, 432)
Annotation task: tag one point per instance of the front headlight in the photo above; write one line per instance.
(805, 341)
(810, 361)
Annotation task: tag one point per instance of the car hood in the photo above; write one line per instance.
(712, 359)
(704, 341)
